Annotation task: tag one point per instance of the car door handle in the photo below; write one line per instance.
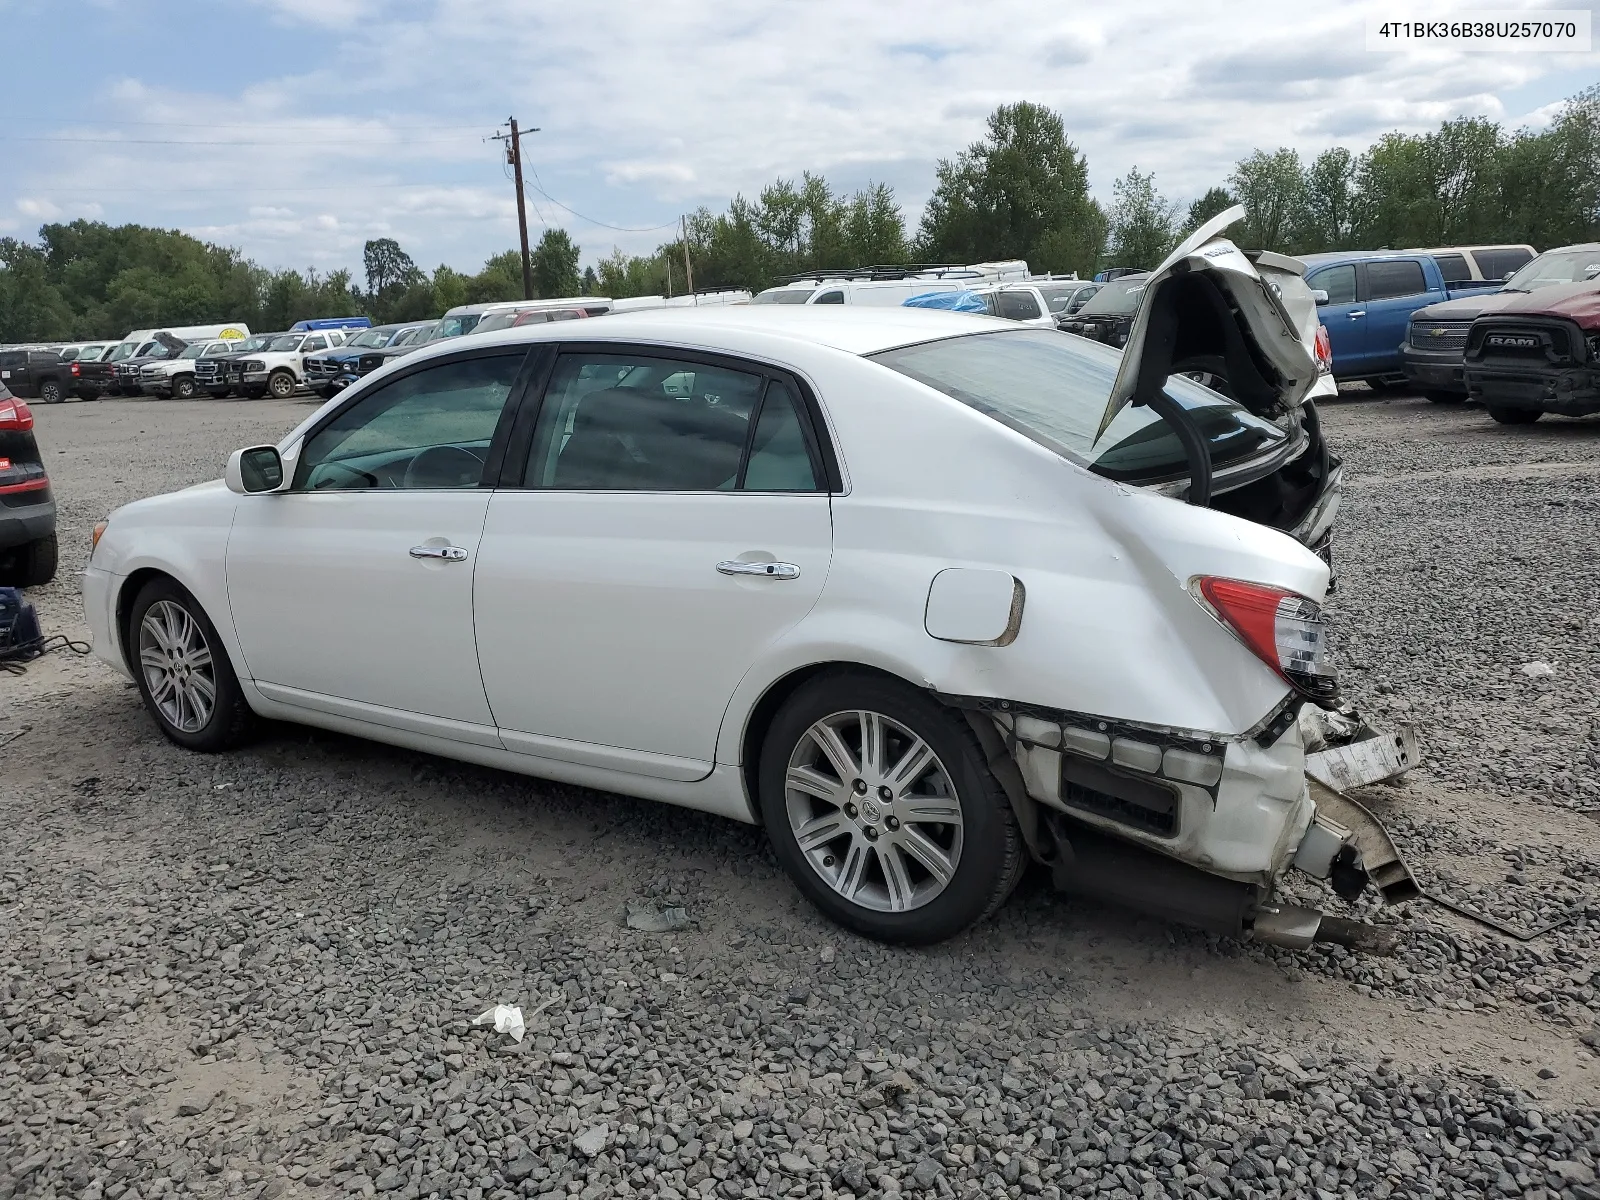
(448, 553)
(768, 570)
(1360, 312)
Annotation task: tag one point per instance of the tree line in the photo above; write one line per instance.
(1020, 191)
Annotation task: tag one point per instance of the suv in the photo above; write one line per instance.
(280, 367)
(175, 376)
(27, 509)
(35, 374)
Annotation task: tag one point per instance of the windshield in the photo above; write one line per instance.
(375, 339)
(1119, 298)
(1059, 295)
(192, 352)
(153, 350)
(1053, 389)
(1556, 266)
(783, 296)
(450, 327)
(418, 333)
(289, 341)
(216, 349)
(123, 350)
(93, 353)
(500, 320)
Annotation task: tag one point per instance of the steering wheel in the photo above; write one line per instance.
(444, 466)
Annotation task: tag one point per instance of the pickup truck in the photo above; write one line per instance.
(213, 373)
(36, 375)
(279, 367)
(1437, 336)
(1365, 299)
(175, 376)
(334, 370)
(1538, 354)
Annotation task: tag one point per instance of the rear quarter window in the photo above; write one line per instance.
(1453, 267)
(1497, 264)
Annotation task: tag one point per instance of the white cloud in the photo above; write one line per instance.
(647, 110)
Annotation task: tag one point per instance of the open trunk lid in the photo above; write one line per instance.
(1209, 299)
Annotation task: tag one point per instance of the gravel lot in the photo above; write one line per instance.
(253, 975)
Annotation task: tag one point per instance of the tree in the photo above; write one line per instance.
(1216, 200)
(1272, 190)
(1329, 208)
(591, 282)
(874, 227)
(388, 267)
(1020, 192)
(1142, 222)
(555, 265)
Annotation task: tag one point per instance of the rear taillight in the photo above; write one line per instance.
(1324, 351)
(1283, 629)
(76, 370)
(15, 415)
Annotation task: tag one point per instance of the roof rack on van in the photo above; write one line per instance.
(887, 271)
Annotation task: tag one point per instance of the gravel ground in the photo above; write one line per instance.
(254, 975)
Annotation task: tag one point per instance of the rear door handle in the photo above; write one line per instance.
(448, 553)
(1360, 312)
(768, 570)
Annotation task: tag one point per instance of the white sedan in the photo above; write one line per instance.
(868, 578)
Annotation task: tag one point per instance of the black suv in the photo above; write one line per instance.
(36, 375)
(27, 509)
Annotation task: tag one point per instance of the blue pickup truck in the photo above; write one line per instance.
(1366, 298)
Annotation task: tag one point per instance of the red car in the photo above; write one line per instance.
(1539, 354)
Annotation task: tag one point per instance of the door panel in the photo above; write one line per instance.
(1394, 290)
(1344, 316)
(604, 622)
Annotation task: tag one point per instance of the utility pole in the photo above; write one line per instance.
(513, 142)
(688, 269)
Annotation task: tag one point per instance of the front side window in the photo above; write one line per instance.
(1057, 296)
(1388, 280)
(289, 341)
(312, 344)
(831, 297)
(1018, 306)
(1053, 390)
(641, 423)
(1338, 282)
(429, 429)
(782, 296)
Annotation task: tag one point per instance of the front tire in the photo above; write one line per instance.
(182, 669)
(1514, 416)
(281, 385)
(882, 809)
(184, 388)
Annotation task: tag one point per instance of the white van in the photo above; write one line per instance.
(464, 318)
(711, 298)
(888, 285)
(139, 339)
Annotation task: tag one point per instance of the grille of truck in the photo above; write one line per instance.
(1439, 335)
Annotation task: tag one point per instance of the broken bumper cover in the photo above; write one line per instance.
(1565, 391)
(1199, 827)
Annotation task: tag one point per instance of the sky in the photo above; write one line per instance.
(295, 130)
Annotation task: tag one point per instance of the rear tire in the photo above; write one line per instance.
(1514, 416)
(870, 850)
(1440, 396)
(32, 564)
(50, 392)
(182, 669)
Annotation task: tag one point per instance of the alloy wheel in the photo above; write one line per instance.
(177, 665)
(874, 811)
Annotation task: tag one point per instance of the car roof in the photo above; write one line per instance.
(743, 328)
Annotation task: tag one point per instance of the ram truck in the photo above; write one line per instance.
(279, 368)
(1436, 339)
(1538, 354)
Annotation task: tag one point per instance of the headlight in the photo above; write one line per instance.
(95, 536)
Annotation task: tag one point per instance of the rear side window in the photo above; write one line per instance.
(1453, 267)
(1388, 280)
(1338, 282)
(1018, 306)
(1497, 264)
(834, 297)
(619, 422)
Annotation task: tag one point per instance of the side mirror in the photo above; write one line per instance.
(254, 469)
(1320, 296)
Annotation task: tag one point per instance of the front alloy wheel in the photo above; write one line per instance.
(183, 671)
(883, 810)
(178, 667)
(874, 811)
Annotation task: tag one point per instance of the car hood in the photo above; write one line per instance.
(1208, 295)
(1578, 301)
(1466, 308)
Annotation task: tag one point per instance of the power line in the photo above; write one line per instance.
(336, 141)
(673, 224)
(220, 124)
